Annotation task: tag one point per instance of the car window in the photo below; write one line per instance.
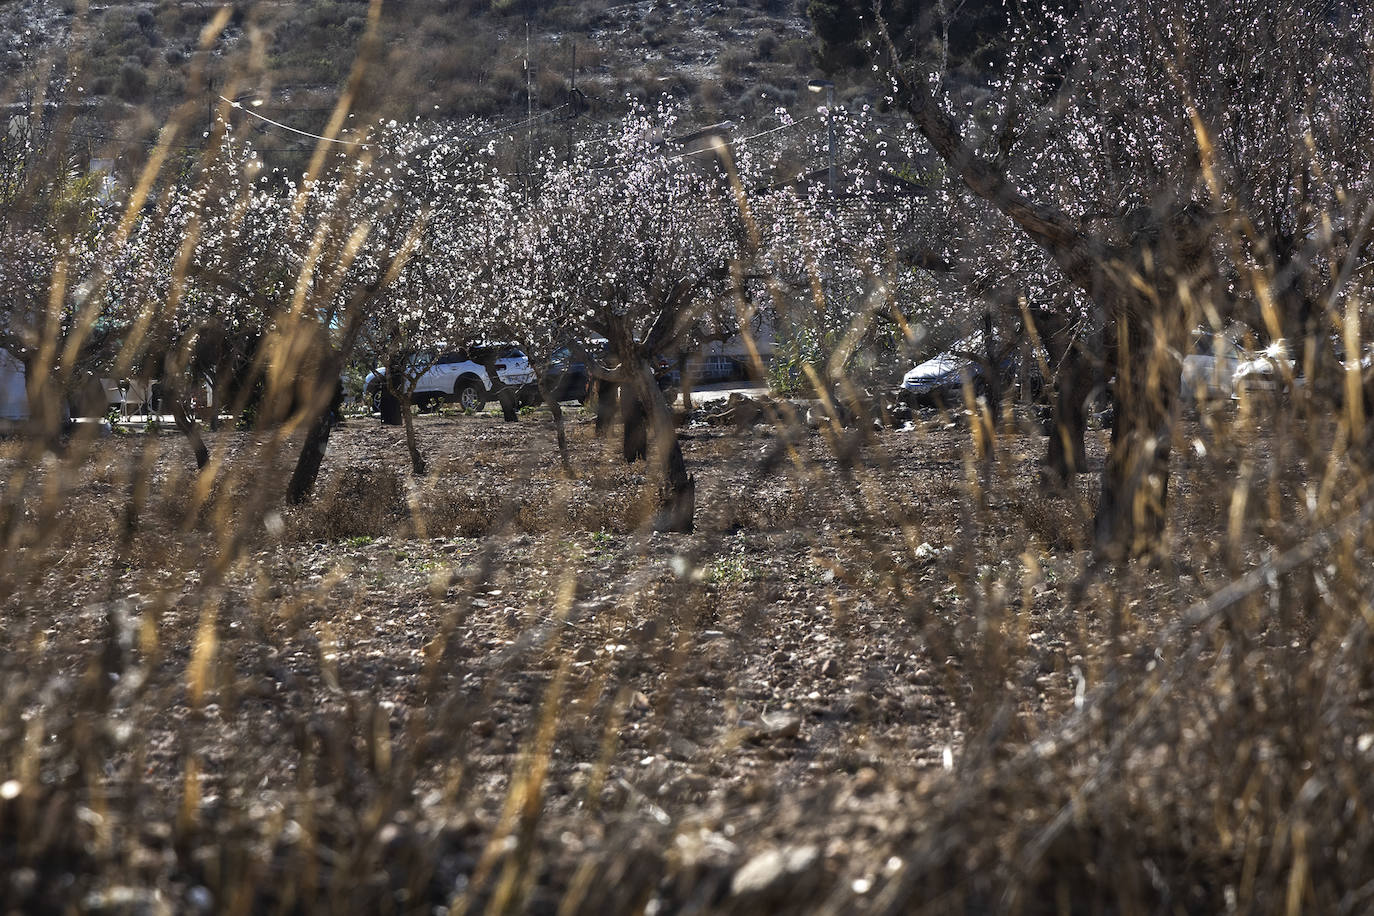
(482, 354)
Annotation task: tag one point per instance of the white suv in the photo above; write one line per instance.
(1209, 371)
(464, 376)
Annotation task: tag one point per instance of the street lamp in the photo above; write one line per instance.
(829, 87)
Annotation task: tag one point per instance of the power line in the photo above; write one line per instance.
(763, 133)
(504, 129)
(294, 130)
(510, 128)
(114, 138)
(711, 150)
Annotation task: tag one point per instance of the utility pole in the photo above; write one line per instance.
(829, 87)
(572, 97)
(529, 106)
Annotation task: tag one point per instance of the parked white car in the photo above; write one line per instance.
(940, 379)
(1273, 371)
(1265, 373)
(463, 376)
(1209, 371)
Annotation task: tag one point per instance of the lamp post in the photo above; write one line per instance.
(829, 87)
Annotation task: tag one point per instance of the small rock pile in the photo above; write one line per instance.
(744, 412)
(883, 408)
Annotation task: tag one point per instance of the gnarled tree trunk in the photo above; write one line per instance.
(1132, 270)
(1066, 451)
(603, 399)
(560, 432)
(1131, 512)
(417, 461)
(311, 458)
(1150, 329)
(676, 495)
(188, 426)
(635, 421)
(319, 408)
(685, 380)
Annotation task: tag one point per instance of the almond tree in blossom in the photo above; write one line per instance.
(1128, 141)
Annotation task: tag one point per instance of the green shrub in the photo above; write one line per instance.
(765, 45)
(734, 62)
(132, 82)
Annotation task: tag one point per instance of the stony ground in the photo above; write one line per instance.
(500, 653)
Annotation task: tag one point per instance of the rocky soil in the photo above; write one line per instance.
(491, 684)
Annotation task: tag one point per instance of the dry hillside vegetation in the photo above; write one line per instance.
(136, 60)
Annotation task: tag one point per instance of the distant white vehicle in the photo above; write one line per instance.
(462, 376)
(1209, 371)
(1265, 373)
(1273, 371)
(940, 379)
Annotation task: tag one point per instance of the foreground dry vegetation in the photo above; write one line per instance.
(880, 677)
(773, 658)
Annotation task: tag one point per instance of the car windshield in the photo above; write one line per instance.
(969, 346)
(482, 353)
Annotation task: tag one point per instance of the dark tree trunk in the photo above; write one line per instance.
(678, 496)
(635, 418)
(676, 488)
(1067, 452)
(1131, 512)
(993, 388)
(392, 386)
(1067, 455)
(685, 381)
(1074, 377)
(603, 402)
(188, 427)
(318, 408)
(556, 412)
(390, 408)
(510, 411)
(417, 461)
(311, 459)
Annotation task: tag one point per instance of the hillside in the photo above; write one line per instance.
(133, 61)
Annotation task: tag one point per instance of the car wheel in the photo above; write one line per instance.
(470, 395)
